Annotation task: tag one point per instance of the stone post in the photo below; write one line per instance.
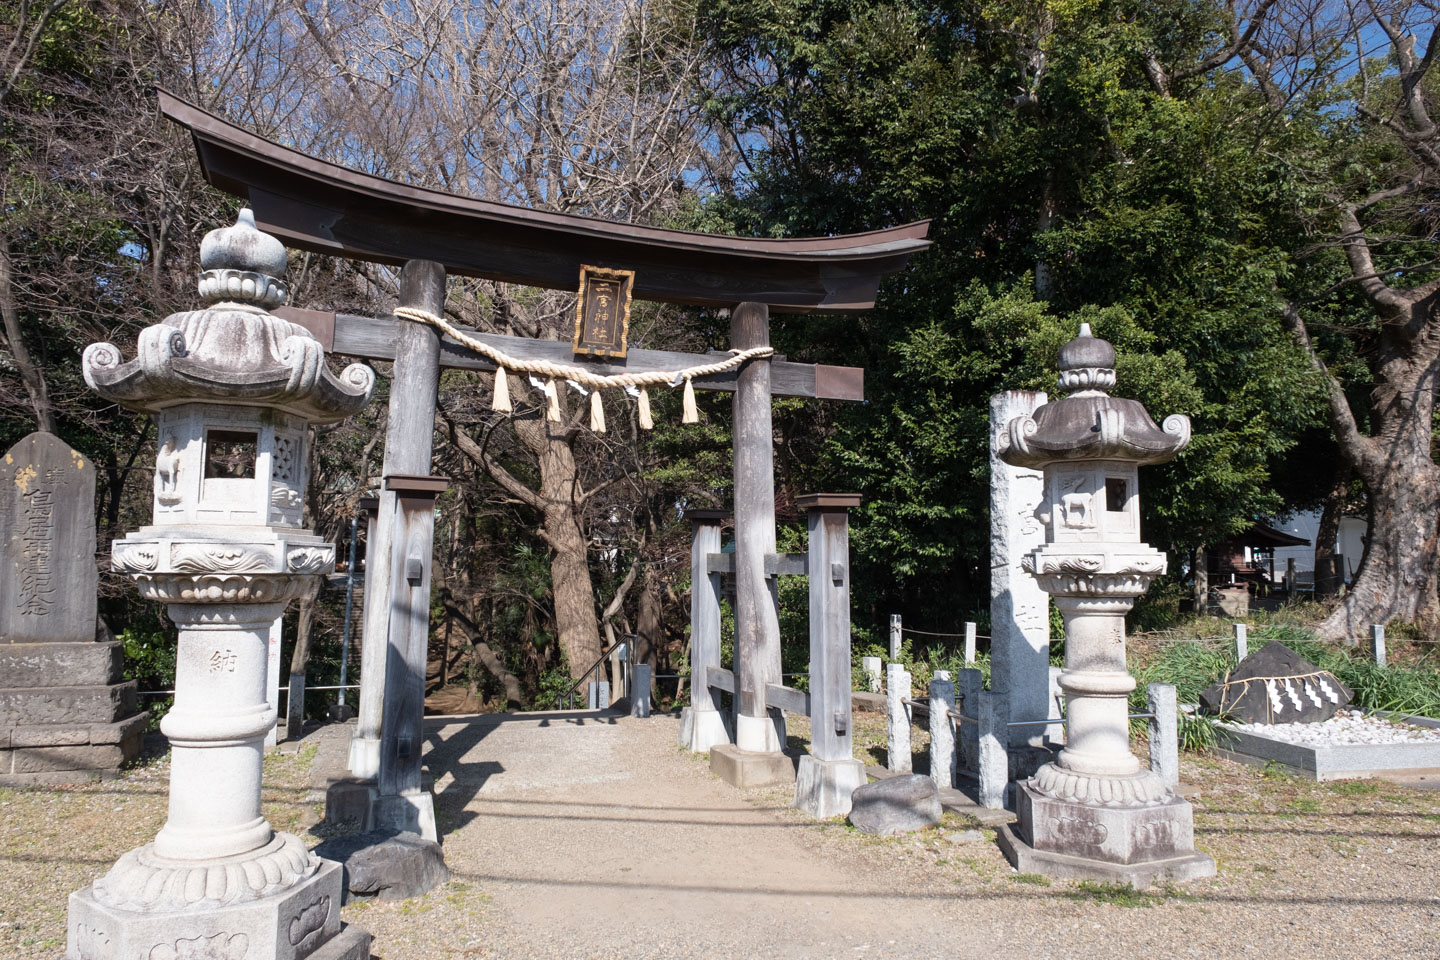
(971, 683)
(1377, 644)
(992, 759)
(896, 639)
(233, 389)
(942, 733)
(702, 724)
(1164, 733)
(897, 691)
(1094, 811)
(640, 698)
(1242, 642)
(970, 637)
(1019, 609)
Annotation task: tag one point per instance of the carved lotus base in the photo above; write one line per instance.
(287, 925)
(144, 880)
(1107, 835)
(1136, 790)
(1100, 571)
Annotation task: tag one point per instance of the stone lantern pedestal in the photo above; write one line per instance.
(232, 390)
(1095, 811)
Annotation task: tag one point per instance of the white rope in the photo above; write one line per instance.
(565, 371)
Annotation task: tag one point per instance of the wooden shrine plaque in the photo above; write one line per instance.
(602, 311)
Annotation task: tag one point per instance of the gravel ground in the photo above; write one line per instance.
(1347, 726)
(581, 839)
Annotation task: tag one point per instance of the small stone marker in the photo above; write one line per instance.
(640, 690)
(897, 691)
(895, 805)
(1242, 642)
(47, 516)
(870, 666)
(894, 636)
(970, 637)
(1377, 644)
(1164, 733)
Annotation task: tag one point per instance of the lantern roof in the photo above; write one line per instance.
(232, 351)
(1088, 423)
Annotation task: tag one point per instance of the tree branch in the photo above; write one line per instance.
(1359, 450)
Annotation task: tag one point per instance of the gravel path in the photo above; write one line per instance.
(592, 838)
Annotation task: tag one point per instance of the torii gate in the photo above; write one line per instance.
(318, 206)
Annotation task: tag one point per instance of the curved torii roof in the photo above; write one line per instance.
(315, 205)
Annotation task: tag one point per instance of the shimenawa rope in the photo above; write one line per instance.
(564, 371)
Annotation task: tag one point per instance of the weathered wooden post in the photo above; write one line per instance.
(409, 434)
(404, 804)
(829, 773)
(755, 759)
(702, 724)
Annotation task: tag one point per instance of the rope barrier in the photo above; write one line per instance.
(577, 374)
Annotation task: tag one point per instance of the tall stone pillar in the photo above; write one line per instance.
(1019, 609)
(233, 390)
(1095, 811)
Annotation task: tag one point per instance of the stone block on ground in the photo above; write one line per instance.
(862, 702)
(46, 754)
(387, 865)
(747, 769)
(896, 805)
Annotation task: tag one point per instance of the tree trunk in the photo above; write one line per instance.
(1328, 577)
(300, 661)
(1397, 576)
(25, 365)
(649, 628)
(576, 621)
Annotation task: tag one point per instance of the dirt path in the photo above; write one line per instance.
(581, 838)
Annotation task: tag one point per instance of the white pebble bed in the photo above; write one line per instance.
(1347, 726)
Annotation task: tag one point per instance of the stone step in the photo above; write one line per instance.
(59, 664)
(98, 703)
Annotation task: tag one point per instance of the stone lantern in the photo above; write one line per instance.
(1094, 811)
(232, 390)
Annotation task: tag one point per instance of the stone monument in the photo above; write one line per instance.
(1094, 811)
(1019, 609)
(65, 714)
(233, 390)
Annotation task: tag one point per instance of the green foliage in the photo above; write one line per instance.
(554, 687)
(148, 657)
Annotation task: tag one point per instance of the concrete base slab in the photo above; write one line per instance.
(290, 925)
(746, 769)
(1141, 876)
(823, 787)
(702, 729)
(1341, 761)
